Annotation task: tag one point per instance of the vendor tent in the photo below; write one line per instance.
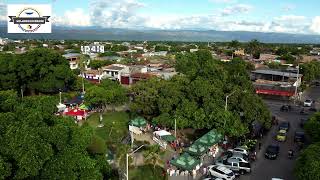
(185, 162)
(211, 138)
(138, 122)
(197, 149)
(168, 138)
(74, 112)
(84, 107)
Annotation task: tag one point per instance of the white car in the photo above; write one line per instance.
(221, 172)
(213, 178)
(236, 156)
(239, 150)
(307, 103)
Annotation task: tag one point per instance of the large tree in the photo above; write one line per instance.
(39, 70)
(308, 163)
(196, 98)
(35, 144)
(108, 93)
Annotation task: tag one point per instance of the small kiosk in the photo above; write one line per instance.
(163, 137)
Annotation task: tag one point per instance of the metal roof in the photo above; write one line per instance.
(277, 73)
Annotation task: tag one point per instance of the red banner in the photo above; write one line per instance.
(274, 92)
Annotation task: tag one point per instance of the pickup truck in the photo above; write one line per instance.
(235, 165)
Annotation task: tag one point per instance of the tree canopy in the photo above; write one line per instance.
(196, 97)
(39, 70)
(35, 144)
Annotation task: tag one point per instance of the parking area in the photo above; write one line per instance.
(282, 167)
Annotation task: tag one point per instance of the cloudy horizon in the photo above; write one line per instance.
(293, 16)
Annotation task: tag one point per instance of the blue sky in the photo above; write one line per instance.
(289, 16)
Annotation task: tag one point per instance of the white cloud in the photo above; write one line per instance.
(76, 17)
(110, 13)
(236, 9)
(315, 25)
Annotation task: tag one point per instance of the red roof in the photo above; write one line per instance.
(274, 92)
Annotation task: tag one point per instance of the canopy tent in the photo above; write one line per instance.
(74, 112)
(185, 162)
(211, 138)
(75, 101)
(197, 149)
(168, 138)
(138, 122)
(61, 107)
(161, 133)
(84, 107)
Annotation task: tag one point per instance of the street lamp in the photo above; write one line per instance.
(226, 105)
(127, 161)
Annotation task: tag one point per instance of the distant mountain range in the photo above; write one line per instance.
(98, 33)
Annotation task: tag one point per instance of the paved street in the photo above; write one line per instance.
(282, 167)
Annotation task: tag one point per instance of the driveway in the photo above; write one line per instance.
(282, 167)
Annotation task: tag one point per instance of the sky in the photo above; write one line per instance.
(284, 16)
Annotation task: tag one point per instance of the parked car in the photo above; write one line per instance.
(282, 135)
(284, 126)
(272, 152)
(221, 172)
(303, 122)
(307, 103)
(299, 136)
(235, 165)
(239, 150)
(236, 156)
(212, 178)
(285, 108)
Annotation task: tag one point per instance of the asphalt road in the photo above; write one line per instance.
(282, 167)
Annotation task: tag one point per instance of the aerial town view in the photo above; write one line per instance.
(159, 90)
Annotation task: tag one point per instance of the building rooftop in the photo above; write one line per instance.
(113, 67)
(69, 55)
(276, 73)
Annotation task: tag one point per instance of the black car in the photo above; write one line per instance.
(303, 122)
(272, 152)
(299, 136)
(285, 108)
(284, 125)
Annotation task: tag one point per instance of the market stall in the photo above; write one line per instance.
(186, 162)
(163, 137)
(137, 125)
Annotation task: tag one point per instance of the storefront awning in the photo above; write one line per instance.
(274, 92)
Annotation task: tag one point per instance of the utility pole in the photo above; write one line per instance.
(175, 127)
(296, 88)
(21, 92)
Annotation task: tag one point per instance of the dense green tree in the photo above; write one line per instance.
(36, 144)
(196, 98)
(118, 48)
(153, 155)
(312, 127)
(96, 64)
(308, 163)
(39, 70)
(108, 93)
(254, 48)
(310, 71)
(161, 48)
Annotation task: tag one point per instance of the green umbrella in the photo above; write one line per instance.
(185, 162)
(168, 138)
(138, 122)
(197, 149)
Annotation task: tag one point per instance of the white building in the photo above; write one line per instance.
(114, 71)
(73, 59)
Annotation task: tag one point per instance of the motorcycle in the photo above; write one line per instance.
(290, 154)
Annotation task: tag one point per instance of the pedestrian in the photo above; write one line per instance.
(260, 145)
(205, 171)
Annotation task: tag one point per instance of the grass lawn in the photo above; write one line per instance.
(115, 126)
(146, 173)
